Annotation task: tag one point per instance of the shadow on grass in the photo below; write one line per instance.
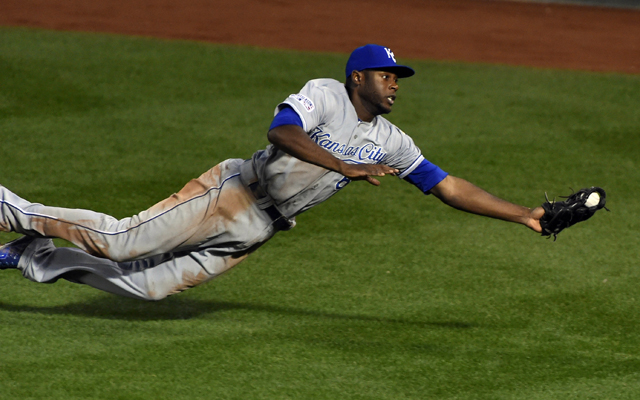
(176, 308)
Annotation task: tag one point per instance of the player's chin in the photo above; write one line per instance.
(384, 108)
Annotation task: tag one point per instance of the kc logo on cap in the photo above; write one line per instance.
(390, 54)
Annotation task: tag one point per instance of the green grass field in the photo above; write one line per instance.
(380, 293)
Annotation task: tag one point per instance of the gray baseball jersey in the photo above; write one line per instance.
(330, 118)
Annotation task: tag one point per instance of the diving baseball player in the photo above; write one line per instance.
(322, 138)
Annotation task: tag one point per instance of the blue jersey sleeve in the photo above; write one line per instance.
(425, 176)
(286, 116)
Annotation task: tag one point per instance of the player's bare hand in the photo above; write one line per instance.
(367, 172)
(533, 222)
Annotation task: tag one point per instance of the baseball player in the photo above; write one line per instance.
(322, 138)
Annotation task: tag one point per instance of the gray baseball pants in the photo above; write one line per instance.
(193, 236)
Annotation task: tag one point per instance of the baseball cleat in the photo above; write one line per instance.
(11, 252)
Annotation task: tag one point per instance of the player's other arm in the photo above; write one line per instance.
(293, 140)
(463, 195)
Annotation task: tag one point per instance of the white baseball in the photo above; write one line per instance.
(593, 200)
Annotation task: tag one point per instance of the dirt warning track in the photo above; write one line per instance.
(517, 33)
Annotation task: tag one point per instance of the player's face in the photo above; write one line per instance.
(379, 91)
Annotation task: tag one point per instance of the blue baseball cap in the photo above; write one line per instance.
(373, 56)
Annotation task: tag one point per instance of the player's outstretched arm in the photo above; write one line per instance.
(463, 195)
(293, 140)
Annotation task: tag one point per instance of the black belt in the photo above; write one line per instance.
(264, 201)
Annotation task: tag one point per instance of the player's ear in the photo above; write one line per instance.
(357, 77)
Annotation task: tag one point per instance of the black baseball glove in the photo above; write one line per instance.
(578, 207)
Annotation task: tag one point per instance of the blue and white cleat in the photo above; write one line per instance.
(11, 252)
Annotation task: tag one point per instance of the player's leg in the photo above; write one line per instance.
(187, 220)
(153, 278)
